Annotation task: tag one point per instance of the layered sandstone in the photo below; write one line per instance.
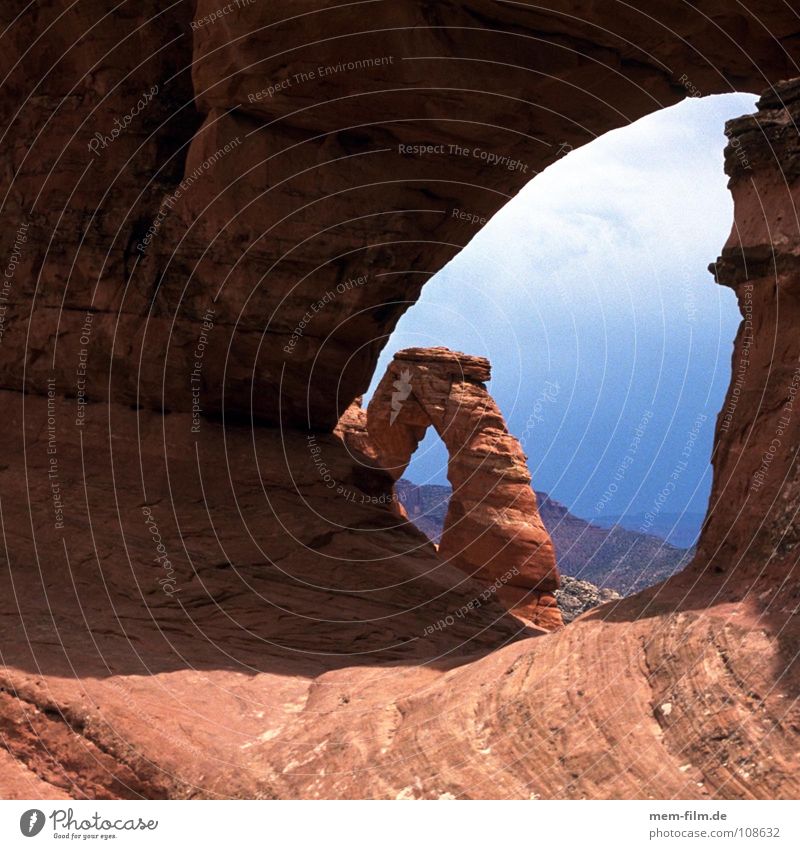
(285, 645)
(162, 609)
(492, 530)
(646, 699)
(758, 429)
(295, 154)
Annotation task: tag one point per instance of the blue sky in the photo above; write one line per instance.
(589, 293)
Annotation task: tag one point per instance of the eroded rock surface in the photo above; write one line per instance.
(492, 530)
(158, 603)
(294, 656)
(758, 429)
(294, 154)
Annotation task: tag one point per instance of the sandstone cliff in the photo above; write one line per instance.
(295, 153)
(758, 429)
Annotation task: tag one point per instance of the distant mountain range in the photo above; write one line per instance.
(678, 529)
(615, 557)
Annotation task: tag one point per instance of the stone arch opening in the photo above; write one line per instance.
(515, 79)
(597, 544)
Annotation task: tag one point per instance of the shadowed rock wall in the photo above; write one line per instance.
(292, 172)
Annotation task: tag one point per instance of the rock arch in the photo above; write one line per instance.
(550, 78)
(342, 189)
(493, 530)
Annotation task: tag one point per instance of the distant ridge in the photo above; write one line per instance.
(612, 558)
(678, 529)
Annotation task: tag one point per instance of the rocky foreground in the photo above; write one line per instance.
(575, 597)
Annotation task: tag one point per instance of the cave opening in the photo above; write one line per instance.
(609, 341)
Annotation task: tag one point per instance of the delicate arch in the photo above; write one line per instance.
(493, 530)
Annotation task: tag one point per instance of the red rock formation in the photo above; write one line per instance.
(493, 531)
(162, 608)
(641, 700)
(298, 657)
(758, 429)
(278, 177)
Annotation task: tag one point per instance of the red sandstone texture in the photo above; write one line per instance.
(281, 643)
(758, 429)
(493, 530)
(224, 195)
(184, 609)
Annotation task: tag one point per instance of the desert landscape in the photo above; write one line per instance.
(218, 580)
